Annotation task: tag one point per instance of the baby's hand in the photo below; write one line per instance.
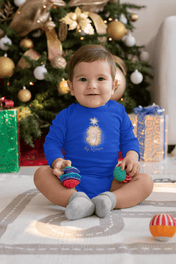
(60, 164)
(130, 163)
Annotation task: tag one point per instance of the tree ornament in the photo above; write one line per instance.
(24, 95)
(62, 31)
(116, 30)
(123, 19)
(144, 56)
(130, 41)
(6, 67)
(27, 43)
(19, 2)
(162, 227)
(59, 62)
(5, 40)
(134, 17)
(136, 77)
(63, 87)
(121, 85)
(39, 72)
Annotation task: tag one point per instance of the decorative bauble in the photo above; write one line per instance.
(27, 43)
(6, 67)
(130, 41)
(39, 72)
(5, 40)
(162, 226)
(59, 62)
(121, 85)
(24, 95)
(136, 77)
(123, 19)
(63, 87)
(134, 17)
(144, 56)
(19, 2)
(116, 30)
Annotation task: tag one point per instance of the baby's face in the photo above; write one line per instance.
(92, 83)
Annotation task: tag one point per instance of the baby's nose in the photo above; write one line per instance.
(92, 85)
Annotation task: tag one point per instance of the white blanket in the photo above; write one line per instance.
(33, 230)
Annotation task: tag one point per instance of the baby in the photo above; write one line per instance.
(92, 132)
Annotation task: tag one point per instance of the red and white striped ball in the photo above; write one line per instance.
(162, 226)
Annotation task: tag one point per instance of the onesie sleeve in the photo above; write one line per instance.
(54, 141)
(128, 141)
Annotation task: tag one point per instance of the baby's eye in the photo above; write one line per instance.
(83, 79)
(100, 79)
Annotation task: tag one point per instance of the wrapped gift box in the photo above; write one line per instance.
(9, 140)
(151, 131)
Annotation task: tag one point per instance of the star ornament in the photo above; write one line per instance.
(79, 20)
(93, 121)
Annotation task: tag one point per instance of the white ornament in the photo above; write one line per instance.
(123, 19)
(19, 2)
(136, 77)
(130, 41)
(5, 40)
(39, 72)
(144, 56)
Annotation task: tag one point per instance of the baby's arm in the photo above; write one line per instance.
(58, 165)
(130, 163)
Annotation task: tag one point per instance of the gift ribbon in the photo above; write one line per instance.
(142, 112)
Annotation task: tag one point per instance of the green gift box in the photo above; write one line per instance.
(9, 140)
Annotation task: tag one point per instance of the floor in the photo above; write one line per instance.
(164, 170)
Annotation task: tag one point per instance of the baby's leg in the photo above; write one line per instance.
(51, 187)
(133, 192)
(78, 205)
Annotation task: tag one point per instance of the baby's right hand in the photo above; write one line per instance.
(60, 164)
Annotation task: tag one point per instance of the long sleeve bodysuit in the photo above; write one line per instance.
(92, 138)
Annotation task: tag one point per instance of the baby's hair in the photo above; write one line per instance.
(90, 53)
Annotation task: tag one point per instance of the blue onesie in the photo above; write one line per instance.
(92, 138)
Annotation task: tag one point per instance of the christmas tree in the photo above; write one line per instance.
(37, 38)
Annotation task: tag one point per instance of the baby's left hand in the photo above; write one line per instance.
(130, 163)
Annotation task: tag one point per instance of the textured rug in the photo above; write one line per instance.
(33, 230)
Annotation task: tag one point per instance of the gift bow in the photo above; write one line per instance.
(149, 110)
(6, 103)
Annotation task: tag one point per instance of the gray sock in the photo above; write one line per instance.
(104, 203)
(79, 206)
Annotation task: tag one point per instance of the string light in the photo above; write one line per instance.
(81, 38)
(110, 39)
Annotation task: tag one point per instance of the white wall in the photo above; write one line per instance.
(148, 24)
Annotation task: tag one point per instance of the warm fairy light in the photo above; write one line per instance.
(54, 7)
(18, 12)
(122, 99)
(42, 62)
(110, 18)
(105, 21)
(8, 84)
(31, 83)
(110, 39)
(81, 38)
(44, 6)
(38, 21)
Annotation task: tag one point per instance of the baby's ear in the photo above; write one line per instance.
(114, 85)
(70, 85)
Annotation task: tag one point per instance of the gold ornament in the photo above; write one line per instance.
(33, 14)
(89, 5)
(63, 87)
(79, 20)
(121, 85)
(24, 95)
(134, 17)
(59, 62)
(27, 43)
(116, 30)
(6, 67)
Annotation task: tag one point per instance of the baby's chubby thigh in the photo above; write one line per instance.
(93, 185)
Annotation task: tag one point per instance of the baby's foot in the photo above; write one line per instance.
(104, 203)
(79, 206)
